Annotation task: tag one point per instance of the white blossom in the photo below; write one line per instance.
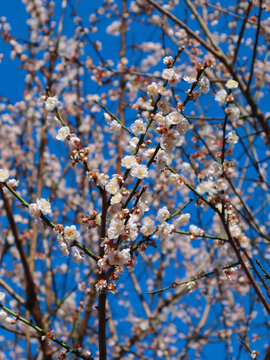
(76, 255)
(186, 168)
(233, 112)
(34, 211)
(128, 161)
(191, 78)
(119, 257)
(103, 263)
(165, 229)
(139, 127)
(112, 187)
(215, 169)
(115, 229)
(235, 230)
(102, 179)
(132, 144)
(152, 89)
(116, 199)
(101, 285)
(195, 230)
(161, 120)
(174, 118)
(168, 60)
(4, 175)
(71, 233)
(232, 138)
(3, 316)
(51, 103)
(44, 206)
(52, 120)
(183, 219)
(163, 214)
(231, 84)
(140, 171)
(63, 248)
(221, 97)
(221, 184)
(183, 126)
(163, 106)
(63, 133)
(207, 186)
(190, 286)
(149, 227)
(204, 85)
(2, 296)
(115, 127)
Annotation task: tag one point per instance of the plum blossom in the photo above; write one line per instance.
(215, 169)
(195, 230)
(71, 233)
(168, 61)
(174, 118)
(183, 219)
(128, 161)
(102, 179)
(161, 120)
(103, 263)
(112, 187)
(190, 78)
(171, 76)
(44, 206)
(4, 175)
(190, 286)
(132, 144)
(231, 84)
(148, 227)
(52, 120)
(183, 126)
(63, 247)
(115, 127)
(116, 199)
(51, 103)
(63, 133)
(221, 184)
(139, 127)
(13, 183)
(235, 230)
(204, 85)
(115, 229)
(186, 167)
(221, 97)
(207, 186)
(233, 112)
(140, 171)
(119, 257)
(163, 106)
(3, 317)
(76, 255)
(101, 285)
(163, 214)
(170, 140)
(34, 211)
(152, 90)
(232, 138)
(2, 296)
(165, 229)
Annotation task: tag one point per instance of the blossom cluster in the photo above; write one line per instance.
(41, 206)
(66, 237)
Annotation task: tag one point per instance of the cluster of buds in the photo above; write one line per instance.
(78, 155)
(89, 222)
